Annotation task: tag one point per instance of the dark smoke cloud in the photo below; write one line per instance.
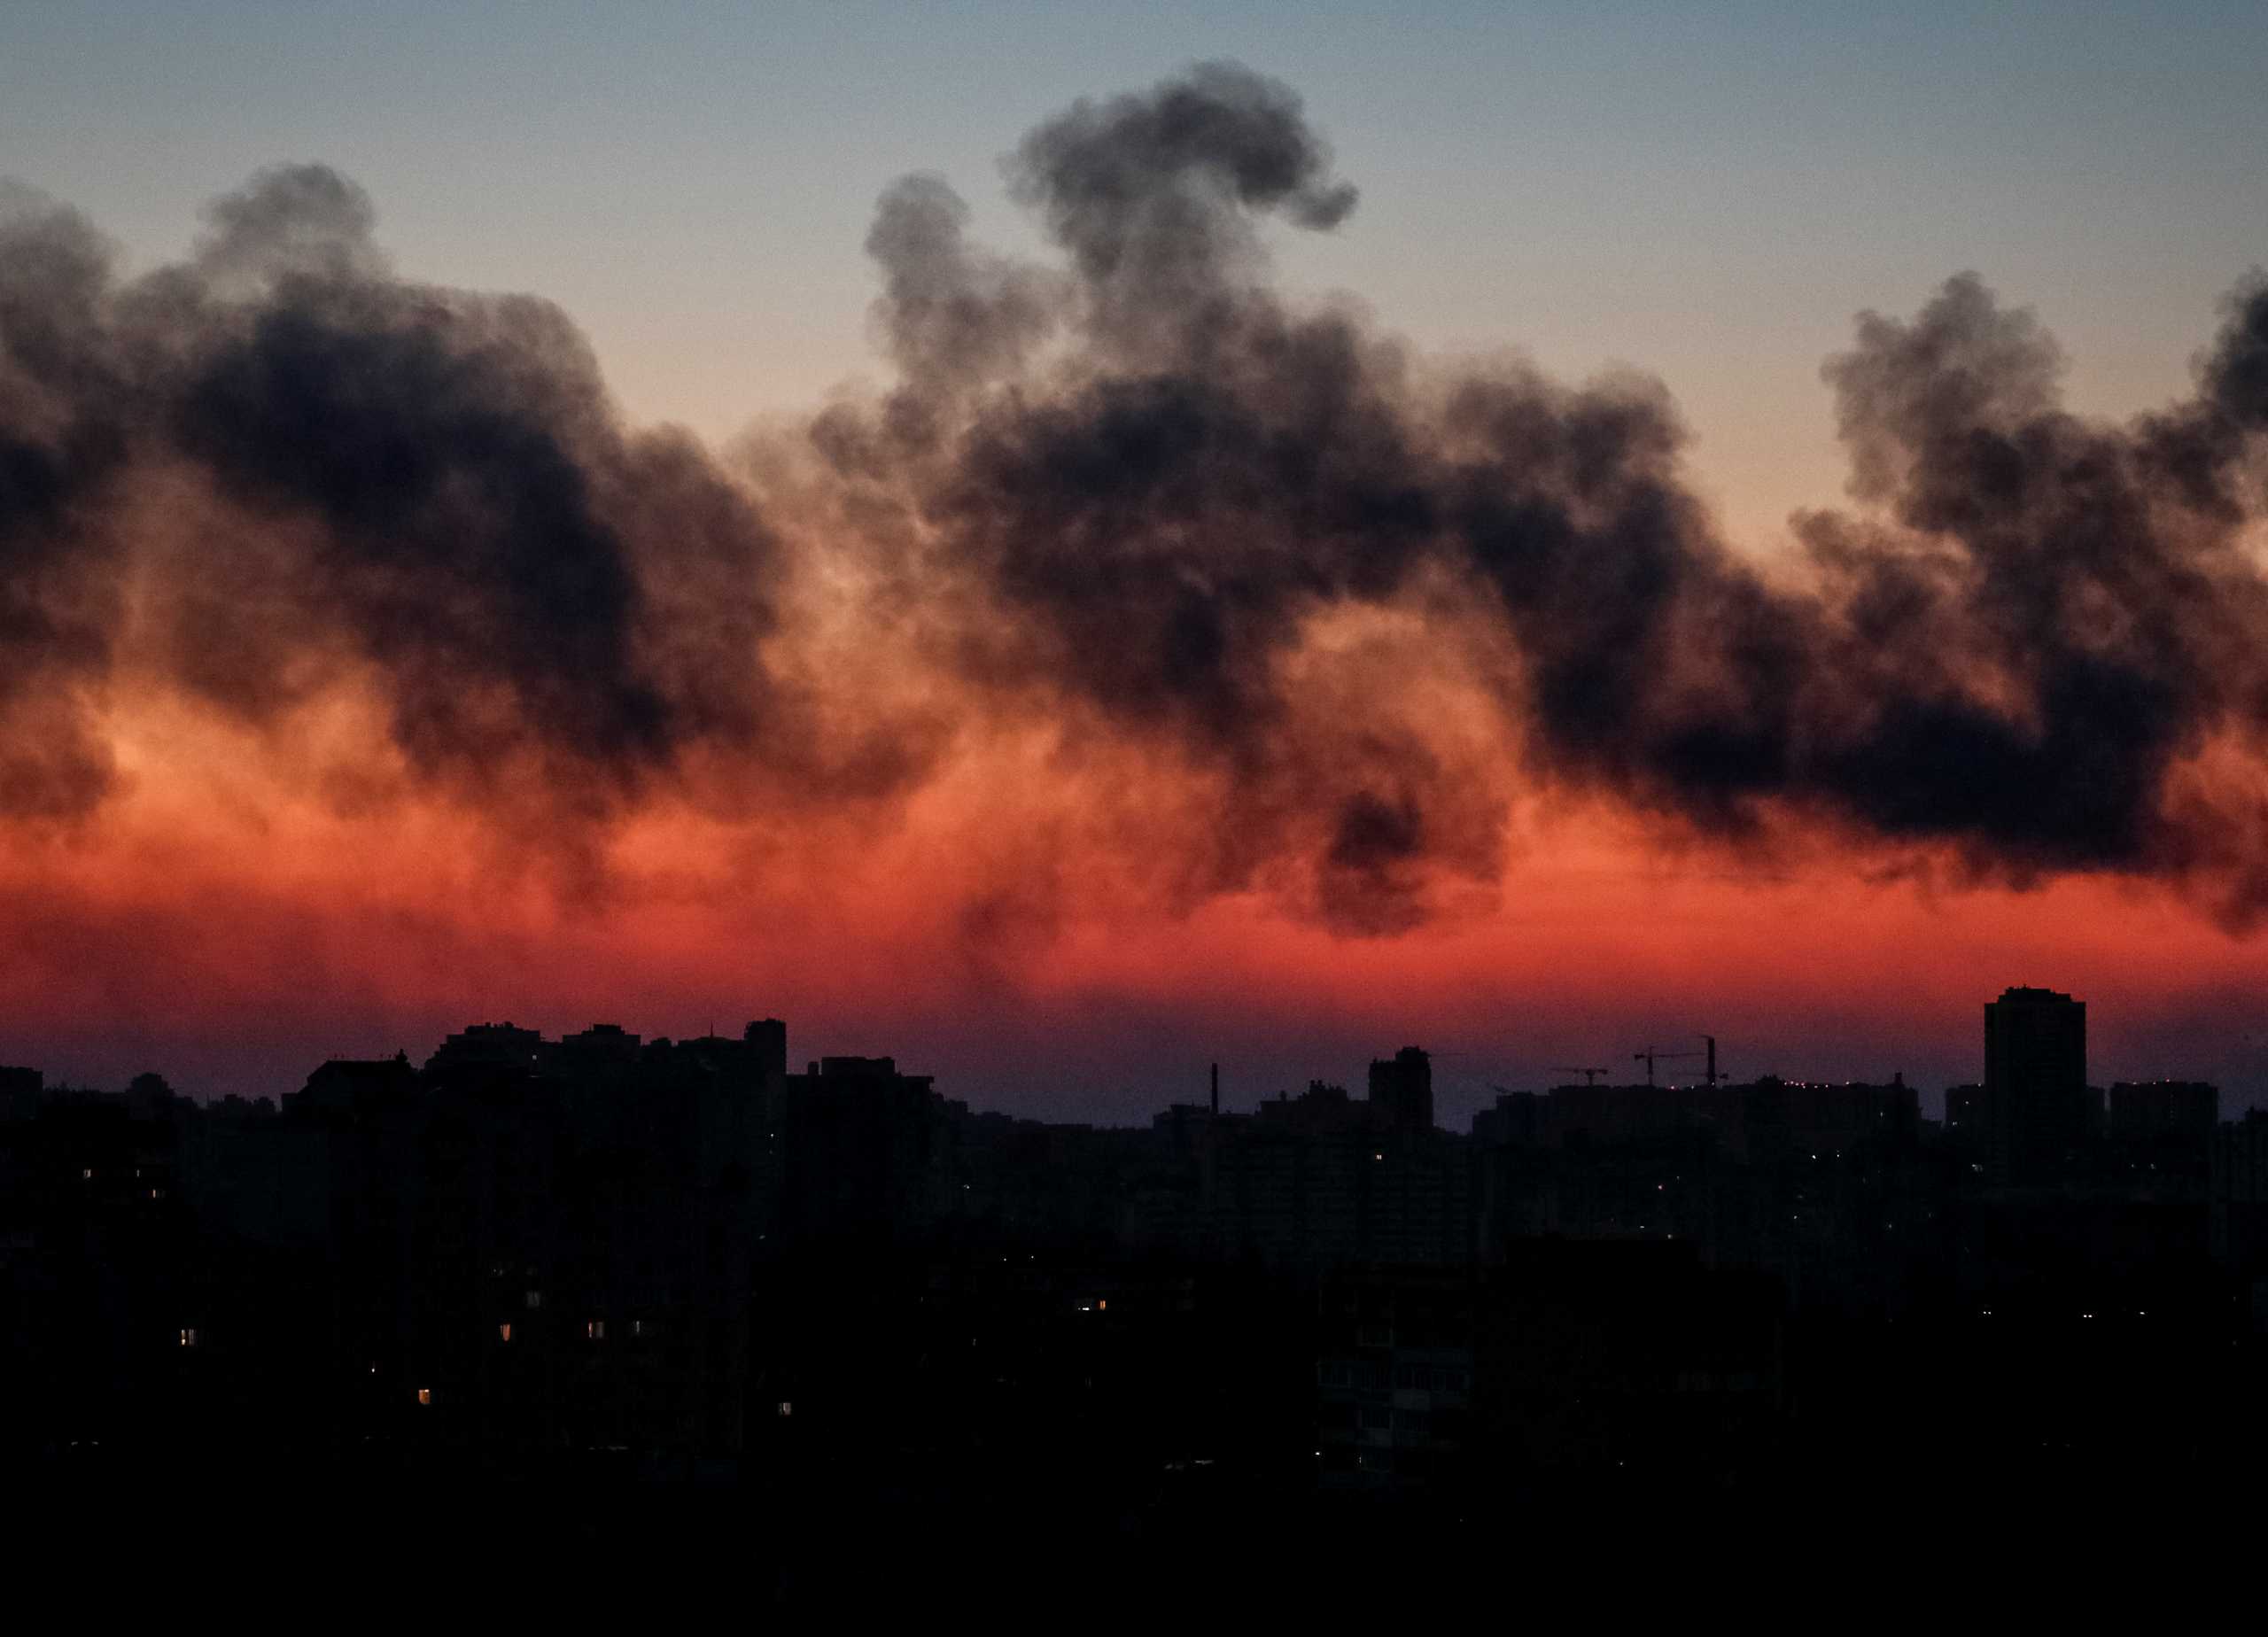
(2012, 651)
(414, 485)
(63, 431)
(1159, 475)
(952, 313)
(2236, 371)
(1153, 196)
(1342, 607)
(459, 541)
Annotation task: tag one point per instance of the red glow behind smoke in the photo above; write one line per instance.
(224, 931)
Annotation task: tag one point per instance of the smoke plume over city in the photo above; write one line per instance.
(1139, 585)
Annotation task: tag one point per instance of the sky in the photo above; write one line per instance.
(1068, 899)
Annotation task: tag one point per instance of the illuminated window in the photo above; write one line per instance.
(425, 1395)
(503, 1332)
(786, 1410)
(189, 1338)
(595, 1329)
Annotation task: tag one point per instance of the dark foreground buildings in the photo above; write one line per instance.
(2037, 1109)
(601, 1266)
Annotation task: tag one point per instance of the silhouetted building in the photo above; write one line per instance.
(1762, 1118)
(489, 1046)
(19, 1091)
(1393, 1377)
(1402, 1085)
(864, 1148)
(767, 1038)
(2035, 1099)
(2181, 1109)
(1629, 1360)
(345, 1086)
(1516, 1117)
(1320, 1181)
(602, 1045)
(1965, 1116)
(2239, 1193)
(1774, 1118)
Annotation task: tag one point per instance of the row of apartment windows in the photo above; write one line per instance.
(1367, 1375)
(1342, 1419)
(594, 1330)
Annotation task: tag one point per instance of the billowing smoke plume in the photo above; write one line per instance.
(315, 473)
(2031, 630)
(63, 435)
(1295, 612)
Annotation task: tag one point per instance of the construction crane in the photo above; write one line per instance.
(1650, 1055)
(1709, 1075)
(1590, 1075)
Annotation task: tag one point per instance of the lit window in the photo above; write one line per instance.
(425, 1395)
(786, 1410)
(595, 1329)
(503, 1332)
(189, 1338)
